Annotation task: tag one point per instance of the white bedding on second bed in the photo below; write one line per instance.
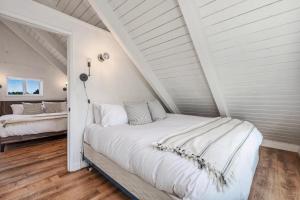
(131, 148)
(33, 127)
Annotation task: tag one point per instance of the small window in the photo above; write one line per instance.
(24, 87)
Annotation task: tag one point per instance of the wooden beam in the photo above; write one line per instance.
(53, 44)
(32, 42)
(193, 22)
(117, 29)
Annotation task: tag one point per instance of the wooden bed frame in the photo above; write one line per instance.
(5, 109)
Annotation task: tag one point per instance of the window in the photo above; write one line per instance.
(21, 87)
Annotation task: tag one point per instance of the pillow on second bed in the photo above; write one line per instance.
(54, 107)
(157, 111)
(138, 113)
(32, 108)
(110, 115)
(17, 109)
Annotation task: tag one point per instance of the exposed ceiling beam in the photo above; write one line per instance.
(191, 17)
(53, 43)
(109, 18)
(38, 47)
(79, 9)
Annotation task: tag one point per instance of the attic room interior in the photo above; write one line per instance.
(150, 99)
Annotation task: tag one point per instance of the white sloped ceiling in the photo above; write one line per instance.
(49, 45)
(158, 30)
(255, 48)
(80, 9)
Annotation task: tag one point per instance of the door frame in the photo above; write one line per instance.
(70, 61)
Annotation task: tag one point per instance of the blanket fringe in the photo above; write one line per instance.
(218, 177)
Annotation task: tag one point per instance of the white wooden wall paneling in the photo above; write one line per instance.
(216, 7)
(279, 21)
(145, 7)
(166, 47)
(73, 4)
(180, 68)
(190, 14)
(154, 24)
(177, 63)
(158, 29)
(237, 12)
(256, 49)
(163, 38)
(61, 4)
(177, 49)
(154, 19)
(166, 28)
(279, 8)
(108, 16)
(263, 34)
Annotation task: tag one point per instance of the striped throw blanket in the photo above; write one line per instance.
(213, 146)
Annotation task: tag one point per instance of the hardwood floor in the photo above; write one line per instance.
(277, 176)
(39, 172)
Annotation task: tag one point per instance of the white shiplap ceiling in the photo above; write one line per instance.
(79, 9)
(253, 46)
(52, 47)
(158, 30)
(255, 49)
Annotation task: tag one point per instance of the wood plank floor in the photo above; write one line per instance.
(277, 176)
(39, 172)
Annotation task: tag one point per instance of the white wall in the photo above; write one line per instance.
(19, 60)
(115, 80)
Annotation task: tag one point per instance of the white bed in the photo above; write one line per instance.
(32, 124)
(131, 149)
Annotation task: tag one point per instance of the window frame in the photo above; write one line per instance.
(25, 80)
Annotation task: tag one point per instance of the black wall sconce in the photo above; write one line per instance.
(89, 65)
(65, 88)
(103, 56)
(0, 86)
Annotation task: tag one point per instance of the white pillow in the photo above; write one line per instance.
(59, 106)
(110, 115)
(64, 106)
(17, 109)
(97, 113)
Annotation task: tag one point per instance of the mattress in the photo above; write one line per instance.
(130, 147)
(33, 127)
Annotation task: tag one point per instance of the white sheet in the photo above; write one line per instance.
(131, 148)
(33, 127)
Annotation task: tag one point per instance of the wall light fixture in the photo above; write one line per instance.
(103, 56)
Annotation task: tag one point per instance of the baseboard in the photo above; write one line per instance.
(281, 145)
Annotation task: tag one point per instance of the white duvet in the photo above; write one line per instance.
(131, 148)
(26, 124)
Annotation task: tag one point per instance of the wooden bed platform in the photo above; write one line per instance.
(5, 109)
